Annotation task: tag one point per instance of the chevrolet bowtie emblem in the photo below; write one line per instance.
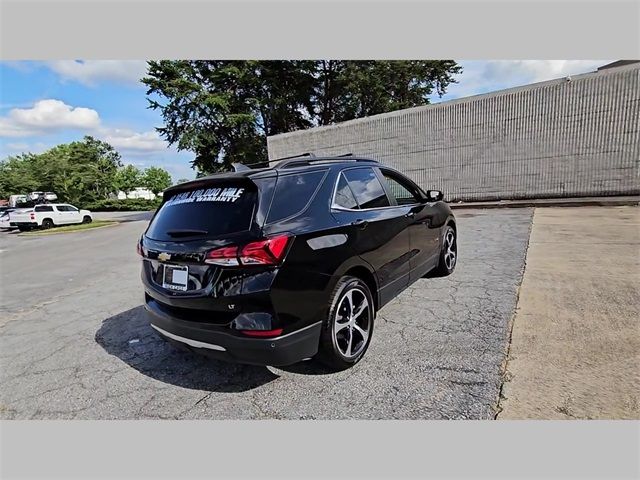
(163, 257)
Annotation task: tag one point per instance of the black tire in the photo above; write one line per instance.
(334, 346)
(47, 223)
(86, 219)
(446, 265)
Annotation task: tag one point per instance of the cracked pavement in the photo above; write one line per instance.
(74, 342)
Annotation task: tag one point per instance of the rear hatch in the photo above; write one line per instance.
(193, 221)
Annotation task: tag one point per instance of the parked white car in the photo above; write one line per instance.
(48, 196)
(48, 215)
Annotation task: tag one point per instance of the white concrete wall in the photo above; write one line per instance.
(552, 139)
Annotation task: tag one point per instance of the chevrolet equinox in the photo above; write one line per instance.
(272, 266)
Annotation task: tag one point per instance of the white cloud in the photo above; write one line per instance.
(541, 70)
(18, 146)
(93, 72)
(488, 76)
(123, 139)
(47, 115)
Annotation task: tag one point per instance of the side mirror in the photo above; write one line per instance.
(434, 195)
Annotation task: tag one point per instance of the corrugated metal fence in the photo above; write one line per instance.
(562, 138)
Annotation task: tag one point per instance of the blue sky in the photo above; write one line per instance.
(43, 104)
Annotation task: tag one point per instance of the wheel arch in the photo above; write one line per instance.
(364, 274)
(451, 221)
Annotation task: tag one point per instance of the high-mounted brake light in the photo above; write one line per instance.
(263, 252)
(262, 333)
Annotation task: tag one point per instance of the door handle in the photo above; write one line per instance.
(361, 224)
(410, 215)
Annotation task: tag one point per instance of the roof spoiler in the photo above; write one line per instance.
(240, 167)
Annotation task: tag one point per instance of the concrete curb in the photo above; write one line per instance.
(43, 234)
(632, 200)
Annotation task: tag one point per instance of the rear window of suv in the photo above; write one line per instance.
(213, 211)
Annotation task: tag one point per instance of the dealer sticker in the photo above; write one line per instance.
(228, 194)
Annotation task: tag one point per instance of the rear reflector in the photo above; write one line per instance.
(262, 333)
(270, 251)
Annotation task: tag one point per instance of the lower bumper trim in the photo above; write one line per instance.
(189, 341)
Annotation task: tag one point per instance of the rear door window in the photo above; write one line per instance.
(366, 188)
(213, 211)
(293, 194)
(44, 208)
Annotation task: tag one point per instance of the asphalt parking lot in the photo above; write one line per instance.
(74, 342)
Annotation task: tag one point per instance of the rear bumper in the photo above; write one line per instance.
(209, 340)
(23, 224)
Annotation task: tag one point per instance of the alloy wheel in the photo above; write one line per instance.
(352, 323)
(450, 249)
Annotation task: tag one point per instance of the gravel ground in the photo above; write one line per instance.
(74, 342)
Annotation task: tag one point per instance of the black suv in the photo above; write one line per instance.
(272, 266)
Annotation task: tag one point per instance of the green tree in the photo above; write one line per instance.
(223, 111)
(127, 178)
(156, 179)
(355, 89)
(17, 175)
(77, 172)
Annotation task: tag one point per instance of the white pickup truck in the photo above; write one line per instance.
(48, 215)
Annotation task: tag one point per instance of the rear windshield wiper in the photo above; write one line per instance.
(186, 232)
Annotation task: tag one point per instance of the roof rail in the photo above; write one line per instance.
(307, 154)
(294, 162)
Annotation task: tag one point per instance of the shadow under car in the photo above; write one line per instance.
(129, 337)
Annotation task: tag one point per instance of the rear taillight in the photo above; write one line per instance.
(264, 252)
(32, 216)
(270, 251)
(262, 333)
(139, 249)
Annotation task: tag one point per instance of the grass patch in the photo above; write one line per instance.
(71, 228)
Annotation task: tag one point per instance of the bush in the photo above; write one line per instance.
(128, 205)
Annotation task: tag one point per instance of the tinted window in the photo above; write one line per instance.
(344, 196)
(293, 193)
(206, 212)
(367, 188)
(44, 208)
(62, 208)
(402, 191)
